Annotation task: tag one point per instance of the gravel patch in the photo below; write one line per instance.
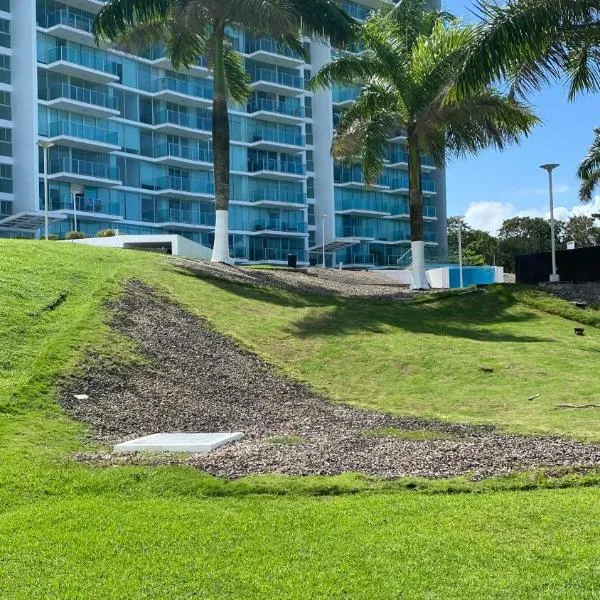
(196, 379)
(330, 282)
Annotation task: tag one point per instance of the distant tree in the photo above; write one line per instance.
(582, 231)
(479, 247)
(525, 235)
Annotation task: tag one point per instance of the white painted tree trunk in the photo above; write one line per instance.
(419, 275)
(221, 248)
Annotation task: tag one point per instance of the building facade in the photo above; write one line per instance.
(131, 147)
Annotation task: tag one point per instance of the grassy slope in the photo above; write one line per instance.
(70, 531)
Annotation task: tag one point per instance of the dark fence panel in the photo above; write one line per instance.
(581, 264)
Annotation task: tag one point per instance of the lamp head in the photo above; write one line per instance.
(549, 167)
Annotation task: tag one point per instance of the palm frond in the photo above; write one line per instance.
(589, 169)
(238, 81)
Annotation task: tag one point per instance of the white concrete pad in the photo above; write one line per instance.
(179, 442)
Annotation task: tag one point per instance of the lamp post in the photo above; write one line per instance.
(554, 277)
(460, 255)
(45, 146)
(76, 190)
(323, 220)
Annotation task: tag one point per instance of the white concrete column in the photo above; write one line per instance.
(24, 106)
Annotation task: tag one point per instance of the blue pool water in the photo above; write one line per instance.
(471, 276)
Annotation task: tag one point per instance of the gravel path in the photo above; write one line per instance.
(330, 282)
(198, 380)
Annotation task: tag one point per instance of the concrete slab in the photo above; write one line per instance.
(179, 442)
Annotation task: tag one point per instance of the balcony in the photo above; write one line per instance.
(86, 207)
(185, 220)
(267, 138)
(69, 26)
(344, 95)
(398, 210)
(277, 169)
(269, 80)
(83, 171)
(86, 137)
(274, 227)
(98, 68)
(359, 260)
(360, 13)
(91, 6)
(428, 187)
(273, 198)
(179, 123)
(393, 238)
(172, 186)
(192, 93)
(358, 233)
(278, 112)
(430, 237)
(352, 178)
(429, 212)
(267, 50)
(180, 155)
(80, 100)
(362, 207)
(397, 184)
(269, 255)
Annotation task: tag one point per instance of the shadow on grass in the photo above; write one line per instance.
(470, 316)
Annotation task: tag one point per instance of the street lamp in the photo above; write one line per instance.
(554, 277)
(76, 190)
(323, 219)
(460, 255)
(45, 146)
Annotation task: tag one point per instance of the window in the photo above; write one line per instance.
(310, 188)
(5, 141)
(5, 111)
(6, 180)
(4, 68)
(5, 33)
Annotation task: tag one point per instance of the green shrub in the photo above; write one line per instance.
(106, 233)
(74, 235)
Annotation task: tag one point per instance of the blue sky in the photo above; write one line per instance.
(496, 185)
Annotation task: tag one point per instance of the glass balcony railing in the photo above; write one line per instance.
(69, 19)
(85, 132)
(84, 168)
(354, 232)
(185, 217)
(188, 88)
(275, 195)
(392, 236)
(362, 204)
(276, 225)
(277, 136)
(397, 157)
(184, 184)
(429, 211)
(359, 259)
(184, 152)
(272, 106)
(268, 254)
(279, 166)
(360, 13)
(78, 94)
(430, 236)
(174, 117)
(344, 94)
(89, 60)
(399, 209)
(428, 186)
(278, 77)
(427, 160)
(84, 204)
(343, 174)
(397, 183)
(271, 46)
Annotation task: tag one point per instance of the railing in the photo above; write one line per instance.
(429, 211)
(343, 174)
(182, 151)
(271, 134)
(399, 208)
(346, 204)
(280, 166)
(428, 185)
(185, 217)
(271, 46)
(188, 88)
(274, 254)
(69, 19)
(174, 117)
(354, 10)
(275, 195)
(344, 94)
(84, 204)
(158, 52)
(80, 94)
(397, 183)
(361, 259)
(272, 76)
(395, 236)
(88, 60)
(86, 132)
(275, 225)
(183, 184)
(282, 108)
(85, 168)
(430, 236)
(354, 232)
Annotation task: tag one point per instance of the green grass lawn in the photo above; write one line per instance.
(71, 531)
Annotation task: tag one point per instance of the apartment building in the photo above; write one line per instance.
(130, 147)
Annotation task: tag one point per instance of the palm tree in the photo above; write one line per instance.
(589, 169)
(411, 76)
(190, 29)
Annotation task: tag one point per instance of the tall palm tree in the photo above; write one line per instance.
(411, 76)
(190, 29)
(589, 169)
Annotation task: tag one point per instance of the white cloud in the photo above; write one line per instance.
(490, 215)
(559, 189)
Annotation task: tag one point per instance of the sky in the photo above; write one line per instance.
(493, 186)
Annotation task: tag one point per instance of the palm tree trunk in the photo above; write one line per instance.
(220, 134)
(415, 194)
